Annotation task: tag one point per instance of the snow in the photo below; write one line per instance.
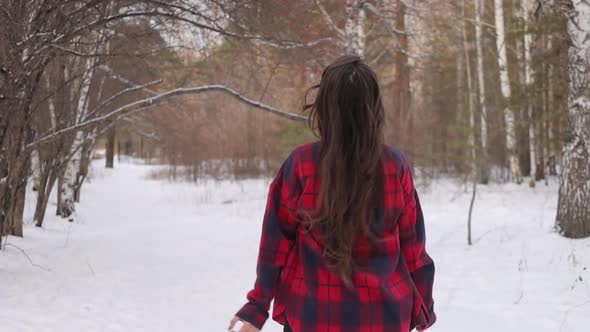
(148, 255)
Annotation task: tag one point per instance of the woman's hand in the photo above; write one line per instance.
(247, 327)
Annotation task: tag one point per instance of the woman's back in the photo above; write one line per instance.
(385, 297)
(342, 245)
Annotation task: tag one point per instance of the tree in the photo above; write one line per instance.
(526, 12)
(354, 28)
(471, 111)
(484, 166)
(509, 120)
(573, 209)
(60, 35)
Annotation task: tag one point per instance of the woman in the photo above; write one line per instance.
(342, 245)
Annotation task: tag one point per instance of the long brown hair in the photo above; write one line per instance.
(347, 115)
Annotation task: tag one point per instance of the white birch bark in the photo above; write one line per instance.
(35, 169)
(471, 100)
(470, 93)
(70, 176)
(352, 38)
(354, 28)
(573, 210)
(528, 81)
(50, 104)
(515, 173)
(482, 89)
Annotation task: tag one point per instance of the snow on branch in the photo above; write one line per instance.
(124, 80)
(155, 100)
(130, 89)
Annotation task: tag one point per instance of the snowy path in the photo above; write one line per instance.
(149, 255)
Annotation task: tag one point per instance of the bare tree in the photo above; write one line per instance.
(34, 34)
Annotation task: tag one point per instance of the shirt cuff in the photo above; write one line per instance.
(252, 314)
(425, 319)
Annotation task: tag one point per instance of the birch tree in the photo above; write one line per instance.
(352, 37)
(528, 81)
(509, 120)
(471, 111)
(86, 66)
(354, 27)
(470, 92)
(482, 90)
(573, 209)
(401, 87)
(69, 182)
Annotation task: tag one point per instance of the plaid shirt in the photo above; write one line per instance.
(393, 289)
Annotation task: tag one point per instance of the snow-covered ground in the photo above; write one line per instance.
(146, 255)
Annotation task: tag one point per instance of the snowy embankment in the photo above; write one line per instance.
(146, 255)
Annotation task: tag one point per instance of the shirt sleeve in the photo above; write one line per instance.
(413, 242)
(277, 239)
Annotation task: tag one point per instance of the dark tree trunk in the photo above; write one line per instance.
(141, 155)
(110, 155)
(58, 211)
(85, 159)
(47, 182)
(15, 218)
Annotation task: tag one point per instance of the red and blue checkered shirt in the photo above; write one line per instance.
(392, 292)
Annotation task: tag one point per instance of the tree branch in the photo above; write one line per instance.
(329, 20)
(153, 101)
(393, 31)
(282, 44)
(130, 89)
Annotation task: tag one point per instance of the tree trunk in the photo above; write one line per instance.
(15, 217)
(354, 28)
(471, 137)
(110, 147)
(85, 160)
(528, 81)
(48, 178)
(515, 173)
(484, 163)
(60, 181)
(401, 86)
(18, 86)
(71, 176)
(470, 94)
(547, 111)
(551, 157)
(573, 208)
(35, 171)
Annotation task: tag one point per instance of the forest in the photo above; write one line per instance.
(483, 92)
